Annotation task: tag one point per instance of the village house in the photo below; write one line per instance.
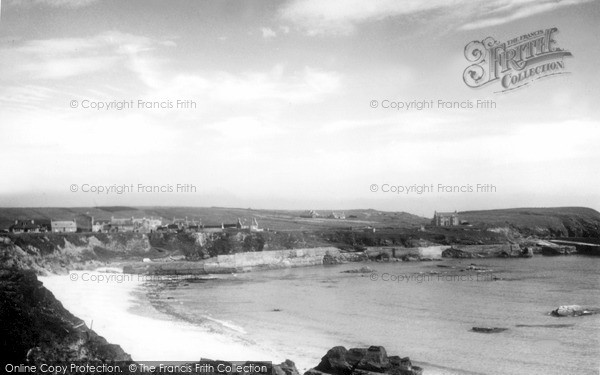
(146, 225)
(445, 219)
(26, 226)
(121, 224)
(100, 226)
(184, 225)
(63, 226)
(211, 228)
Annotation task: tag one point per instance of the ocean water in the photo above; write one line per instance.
(412, 309)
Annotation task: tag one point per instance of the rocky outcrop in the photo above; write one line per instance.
(285, 368)
(359, 270)
(488, 329)
(573, 310)
(59, 253)
(456, 253)
(558, 250)
(274, 259)
(527, 252)
(363, 361)
(488, 251)
(36, 328)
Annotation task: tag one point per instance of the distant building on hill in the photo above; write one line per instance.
(311, 214)
(141, 225)
(63, 226)
(445, 219)
(145, 225)
(335, 215)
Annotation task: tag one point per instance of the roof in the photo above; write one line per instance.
(67, 224)
(25, 225)
(446, 213)
(114, 221)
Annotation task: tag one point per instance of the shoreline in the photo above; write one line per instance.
(129, 318)
(431, 365)
(122, 313)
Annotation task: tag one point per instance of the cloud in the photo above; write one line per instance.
(53, 3)
(518, 10)
(246, 88)
(343, 16)
(56, 59)
(268, 33)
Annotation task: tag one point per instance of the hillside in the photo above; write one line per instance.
(273, 219)
(551, 221)
(541, 222)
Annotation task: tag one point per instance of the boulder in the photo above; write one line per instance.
(330, 259)
(286, 368)
(363, 361)
(334, 362)
(474, 267)
(360, 270)
(374, 360)
(527, 252)
(411, 258)
(573, 310)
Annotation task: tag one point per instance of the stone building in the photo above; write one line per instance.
(26, 226)
(63, 226)
(445, 219)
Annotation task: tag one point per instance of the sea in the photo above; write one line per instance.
(423, 310)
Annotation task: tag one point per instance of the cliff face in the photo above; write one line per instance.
(58, 253)
(195, 246)
(37, 328)
(542, 222)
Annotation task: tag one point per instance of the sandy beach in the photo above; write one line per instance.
(114, 307)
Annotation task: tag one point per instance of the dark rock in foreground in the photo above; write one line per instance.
(36, 328)
(363, 361)
(285, 368)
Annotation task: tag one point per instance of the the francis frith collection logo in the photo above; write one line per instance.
(516, 62)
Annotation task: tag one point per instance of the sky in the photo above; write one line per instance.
(286, 105)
